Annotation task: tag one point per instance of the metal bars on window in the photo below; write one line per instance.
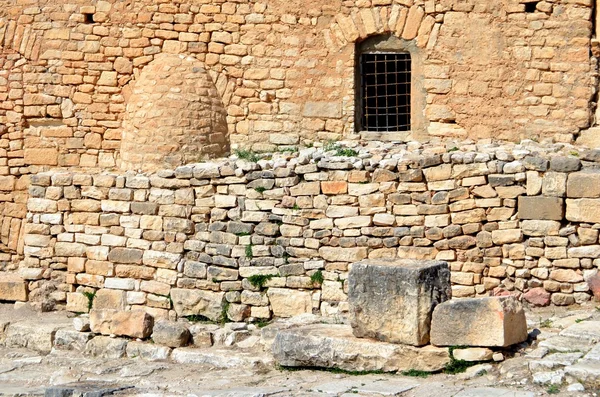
(385, 82)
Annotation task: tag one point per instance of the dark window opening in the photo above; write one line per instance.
(530, 7)
(88, 18)
(385, 81)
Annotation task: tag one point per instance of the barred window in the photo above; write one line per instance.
(385, 91)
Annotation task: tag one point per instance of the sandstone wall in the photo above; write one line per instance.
(521, 220)
(285, 70)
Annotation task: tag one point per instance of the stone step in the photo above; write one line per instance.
(334, 346)
(12, 287)
(218, 358)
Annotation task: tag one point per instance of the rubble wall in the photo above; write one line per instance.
(522, 220)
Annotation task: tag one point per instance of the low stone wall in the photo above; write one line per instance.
(189, 241)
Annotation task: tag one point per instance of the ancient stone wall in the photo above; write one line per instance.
(520, 219)
(283, 73)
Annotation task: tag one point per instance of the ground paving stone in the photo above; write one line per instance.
(27, 372)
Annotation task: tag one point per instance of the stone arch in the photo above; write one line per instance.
(415, 27)
(408, 23)
(174, 116)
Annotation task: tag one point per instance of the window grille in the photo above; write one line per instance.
(385, 81)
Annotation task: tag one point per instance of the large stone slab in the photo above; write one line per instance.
(485, 322)
(541, 208)
(136, 324)
(583, 210)
(392, 301)
(188, 302)
(334, 346)
(12, 287)
(584, 184)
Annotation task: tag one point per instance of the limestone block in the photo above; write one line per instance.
(287, 302)
(147, 351)
(584, 184)
(12, 287)
(187, 302)
(542, 208)
(540, 228)
(77, 302)
(68, 339)
(106, 347)
(473, 354)
(136, 324)
(110, 299)
(334, 346)
(484, 322)
(392, 301)
(583, 210)
(170, 333)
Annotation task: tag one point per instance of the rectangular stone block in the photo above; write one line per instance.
(583, 184)
(541, 208)
(187, 302)
(583, 210)
(136, 324)
(392, 301)
(484, 322)
(12, 287)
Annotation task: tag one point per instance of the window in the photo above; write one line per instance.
(385, 91)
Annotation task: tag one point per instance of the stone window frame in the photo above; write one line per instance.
(387, 43)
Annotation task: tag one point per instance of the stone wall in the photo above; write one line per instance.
(520, 219)
(285, 70)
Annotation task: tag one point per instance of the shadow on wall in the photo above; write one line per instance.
(174, 116)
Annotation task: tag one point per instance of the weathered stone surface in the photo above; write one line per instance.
(170, 334)
(136, 324)
(106, 347)
(187, 302)
(537, 296)
(217, 358)
(584, 184)
(334, 346)
(473, 354)
(392, 301)
(12, 287)
(485, 322)
(147, 351)
(289, 302)
(67, 339)
(33, 334)
(583, 210)
(542, 208)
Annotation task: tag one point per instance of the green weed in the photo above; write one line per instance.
(90, 297)
(317, 277)
(249, 251)
(416, 373)
(259, 280)
(248, 155)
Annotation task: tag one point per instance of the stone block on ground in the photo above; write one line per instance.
(484, 322)
(218, 358)
(33, 334)
(68, 339)
(188, 302)
(12, 287)
(334, 346)
(135, 324)
(106, 347)
(147, 351)
(392, 301)
(170, 334)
